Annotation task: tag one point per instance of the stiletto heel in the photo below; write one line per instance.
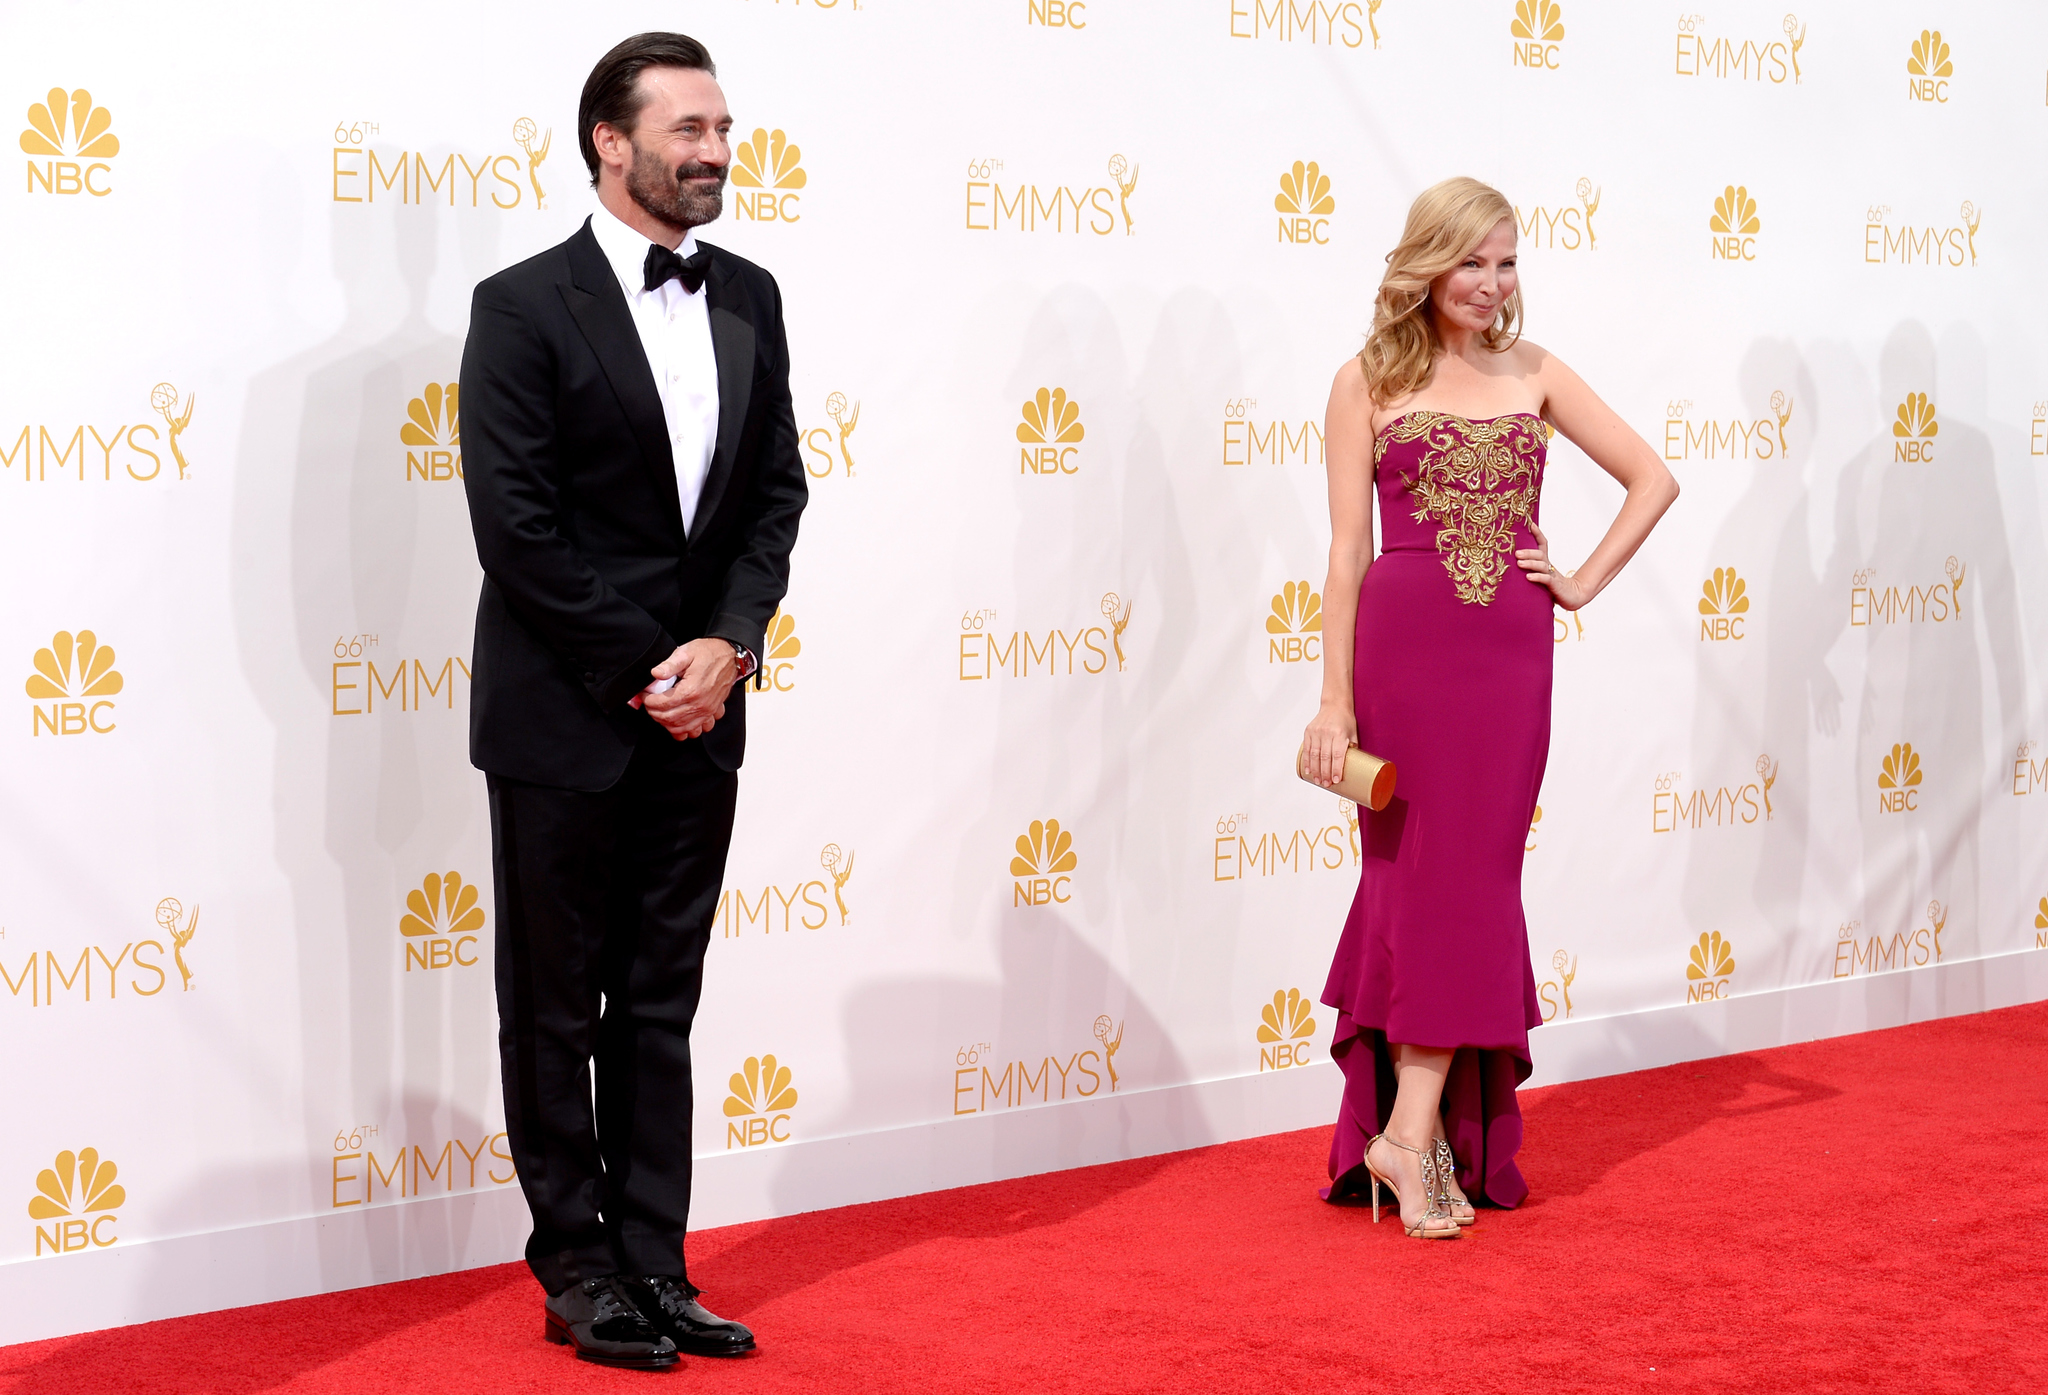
(1436, 1222)
(1446, 1169)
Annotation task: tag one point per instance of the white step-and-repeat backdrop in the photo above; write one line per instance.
(1066, 286)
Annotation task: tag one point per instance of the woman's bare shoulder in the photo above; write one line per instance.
(1349, 388)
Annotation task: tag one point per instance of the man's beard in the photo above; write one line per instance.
(660, 189)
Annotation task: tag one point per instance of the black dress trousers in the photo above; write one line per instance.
(605, 907)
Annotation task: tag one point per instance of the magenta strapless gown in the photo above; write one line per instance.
(1452, 684)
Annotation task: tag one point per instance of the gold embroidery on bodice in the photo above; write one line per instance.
(1458, 482)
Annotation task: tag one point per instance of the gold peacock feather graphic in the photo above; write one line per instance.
(768, 161)
(1051, 417)
(1046, 849)
(74, 667)
(1901, 768)
(1296, 611)
(1286, 1018)
(762, 1087)
(780, 638)
(79, 1184)
(2041, 915)
(1712, 957)
(1916, 419)
(1930, 56)
(436, 893)
(88, 136)
(1724, 593)
(1735, 212)
(1541, 20)
(1305, 189)
(431, 418)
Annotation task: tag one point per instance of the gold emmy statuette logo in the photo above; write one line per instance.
(1284, 1029)
(780, 647)
(1898, 780)
(1724, 604)
(1781, 408)
(835, 408)
(1350, 813)
(1551, 990)
(1295, 626)
(1118, 613)
(440, 924)
(1937, 921)
(168, 914)
(1956, 571)
(164, 398)
(433, 426)
(1735, 225)
(79, 1186)
(68, 125)
(771, 167)
(1796, 32)
(758, 1107)
(1589, 197)
(840, 865)
(1915, 429)
(1125, 173)
(1538, 29)
(1045, 855)
(1305, 204)
(1111, 1035)
(524, 132)
(1050, 433)
(2041, 925)
(1767, 771)
(1929, 68)
(69, 673)
(1712, 960)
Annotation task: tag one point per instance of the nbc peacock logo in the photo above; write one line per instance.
(1294, 625)
(75, 676)
(1285, 1027)
(78, 1196)
(78, 138)
(441, 922)
(1305, 204)
(1043, 865)
(1914, 428)
(1050, 433)
(432, 434)
(767, 169)
(757, 1106)
(780, 648)
(1898, 780)
(2041, 925)
(1735, 225)
(1537, 29)
(1709, 967)
(1723, 606)
(1929, 67)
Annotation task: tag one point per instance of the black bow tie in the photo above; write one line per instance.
(662, 264)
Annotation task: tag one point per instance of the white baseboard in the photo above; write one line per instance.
(147, 1280)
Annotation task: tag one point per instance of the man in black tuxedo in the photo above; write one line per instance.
(630, 458)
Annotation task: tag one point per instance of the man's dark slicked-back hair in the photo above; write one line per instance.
(612, 92)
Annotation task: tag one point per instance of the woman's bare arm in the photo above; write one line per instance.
(1347, 455)
(1594, 427)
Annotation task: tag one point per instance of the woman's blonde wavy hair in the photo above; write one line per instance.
(1445, 223)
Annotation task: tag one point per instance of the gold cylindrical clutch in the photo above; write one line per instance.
(1368, 781)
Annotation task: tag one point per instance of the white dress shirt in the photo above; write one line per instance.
(675, 330)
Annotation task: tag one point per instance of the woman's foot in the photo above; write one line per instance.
(1454, 1196)
(1411, 1172)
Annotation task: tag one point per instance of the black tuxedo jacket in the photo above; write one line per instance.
(589, 577)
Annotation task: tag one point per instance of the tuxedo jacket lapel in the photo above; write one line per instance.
(732, 343)
(599, 309)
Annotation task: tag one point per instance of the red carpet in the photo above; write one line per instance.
(1869, 1213)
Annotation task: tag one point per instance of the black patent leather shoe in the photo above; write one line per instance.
(602, 1319)
(671, 1306)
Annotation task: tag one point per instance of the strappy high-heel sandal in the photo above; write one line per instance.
(1436, 1221)
(1446, 1169)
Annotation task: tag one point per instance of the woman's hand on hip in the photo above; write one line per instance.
(1535, 564)
(1333, 732)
